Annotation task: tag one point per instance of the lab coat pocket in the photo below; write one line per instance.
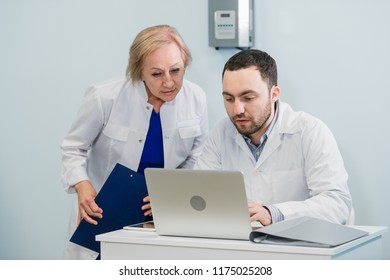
(117, 132)
(189, 129)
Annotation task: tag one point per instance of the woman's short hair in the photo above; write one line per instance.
(149, 40)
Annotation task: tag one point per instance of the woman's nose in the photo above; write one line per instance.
(168, 81)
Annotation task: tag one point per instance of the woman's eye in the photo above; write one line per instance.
(156, 75)
(176, 70)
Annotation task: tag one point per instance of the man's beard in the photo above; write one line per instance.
(256, 125)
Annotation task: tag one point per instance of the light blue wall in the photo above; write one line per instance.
(333, 59)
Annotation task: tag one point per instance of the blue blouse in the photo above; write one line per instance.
(153, 152)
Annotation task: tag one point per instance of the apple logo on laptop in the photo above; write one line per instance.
(198, 203)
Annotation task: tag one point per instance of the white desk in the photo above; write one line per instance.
(127, 244)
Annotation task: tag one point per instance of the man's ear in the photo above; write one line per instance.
(275, 92)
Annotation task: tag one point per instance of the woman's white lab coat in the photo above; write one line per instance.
(300, 170)
(112, 125)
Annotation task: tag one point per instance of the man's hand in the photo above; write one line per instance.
(259, 213)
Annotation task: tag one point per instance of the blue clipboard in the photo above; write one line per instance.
(121, 199)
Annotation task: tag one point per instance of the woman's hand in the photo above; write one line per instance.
(147, 207)
(88, 209)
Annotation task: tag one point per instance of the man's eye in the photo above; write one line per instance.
(249, 98)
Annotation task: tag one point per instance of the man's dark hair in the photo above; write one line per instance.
(259, 59)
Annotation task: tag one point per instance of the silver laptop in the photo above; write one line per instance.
(199, 203)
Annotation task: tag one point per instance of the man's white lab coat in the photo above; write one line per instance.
(300, 170)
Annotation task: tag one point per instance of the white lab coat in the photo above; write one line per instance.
(112, 126)
(300, 170)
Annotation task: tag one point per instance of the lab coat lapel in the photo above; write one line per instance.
(273, 142)
(244, 146)
(168, 122)
(275, 138)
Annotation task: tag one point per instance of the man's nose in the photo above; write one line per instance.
(238, 108)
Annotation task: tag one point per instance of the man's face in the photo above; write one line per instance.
(248, 101)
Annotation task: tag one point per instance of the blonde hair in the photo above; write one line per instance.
(147, 41)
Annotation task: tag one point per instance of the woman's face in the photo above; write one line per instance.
(163, 72)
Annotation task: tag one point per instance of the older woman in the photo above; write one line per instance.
(153, 117)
